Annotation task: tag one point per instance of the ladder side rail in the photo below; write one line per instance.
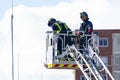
(86, 63)
(106, 69)
(81, 68)
(89, 67)
(97, 72)
(99, 59)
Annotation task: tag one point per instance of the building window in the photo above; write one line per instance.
(82, 77)
(105, 60)
(103, 42)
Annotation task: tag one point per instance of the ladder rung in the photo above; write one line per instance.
(78, 57)
(86, 69)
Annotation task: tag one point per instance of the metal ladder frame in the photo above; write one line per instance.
(84, 70)
(104, 66)
(90, 65)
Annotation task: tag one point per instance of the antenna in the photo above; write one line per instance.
(12, 42)
(18, 66)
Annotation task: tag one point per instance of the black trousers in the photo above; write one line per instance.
(62, 42)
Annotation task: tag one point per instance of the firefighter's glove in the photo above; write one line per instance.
(78, 34)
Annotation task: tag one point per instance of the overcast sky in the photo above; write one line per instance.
(30, 25)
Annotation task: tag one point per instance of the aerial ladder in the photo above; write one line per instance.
(91, 68)
(90, 59)
(87, 59)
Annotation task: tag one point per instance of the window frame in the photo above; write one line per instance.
(103, 44)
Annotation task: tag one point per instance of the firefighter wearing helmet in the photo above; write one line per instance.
(59, 27)
(86, 26)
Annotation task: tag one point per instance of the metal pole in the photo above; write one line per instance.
(18, 66)
(12, 43)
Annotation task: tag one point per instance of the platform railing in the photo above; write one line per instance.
(52, 40)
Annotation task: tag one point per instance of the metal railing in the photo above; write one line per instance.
(75, 39)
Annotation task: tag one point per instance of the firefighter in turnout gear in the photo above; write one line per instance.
(60, 28)
(86, 27)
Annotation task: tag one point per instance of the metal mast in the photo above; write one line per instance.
(12, 42)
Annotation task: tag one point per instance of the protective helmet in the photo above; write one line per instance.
(51, 21)
(83, 14)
